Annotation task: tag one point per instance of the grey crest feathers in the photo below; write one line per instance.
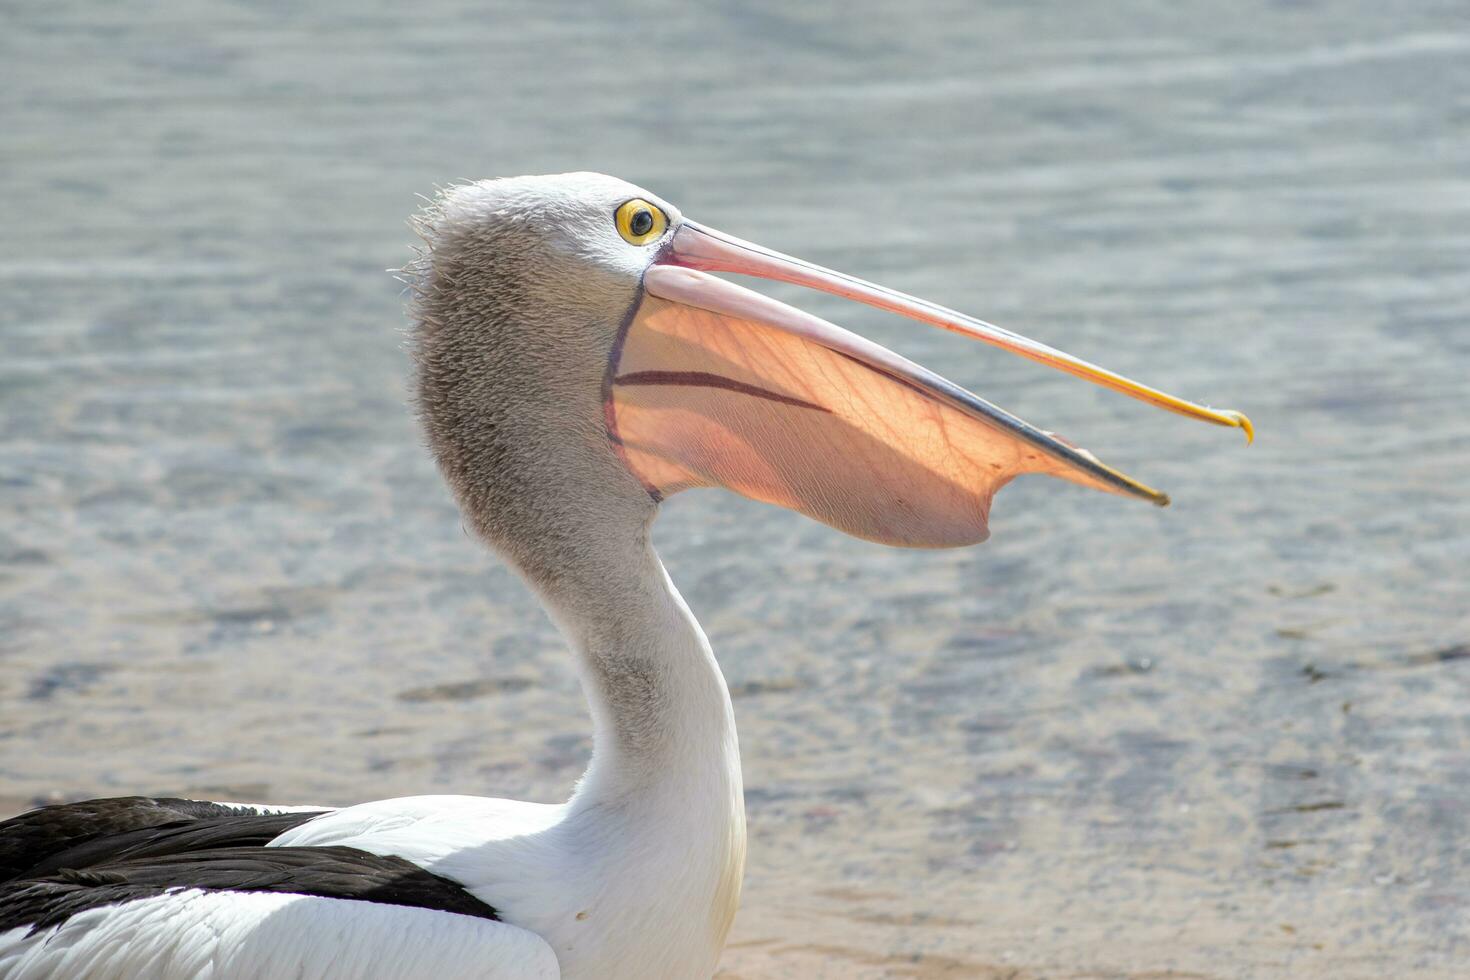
(518, 300)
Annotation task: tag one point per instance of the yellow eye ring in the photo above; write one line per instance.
(640, 222)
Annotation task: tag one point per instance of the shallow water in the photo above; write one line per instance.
(1230, 738)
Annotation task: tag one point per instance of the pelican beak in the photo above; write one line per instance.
(712, 384)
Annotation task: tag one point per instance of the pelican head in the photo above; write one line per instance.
(577, 363)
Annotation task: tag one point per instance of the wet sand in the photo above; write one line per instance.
(1230, 738)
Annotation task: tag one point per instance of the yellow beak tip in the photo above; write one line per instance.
(1239, 420)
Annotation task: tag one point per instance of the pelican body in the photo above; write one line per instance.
(577, 362)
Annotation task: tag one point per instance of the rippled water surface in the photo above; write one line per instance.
(1230, 738)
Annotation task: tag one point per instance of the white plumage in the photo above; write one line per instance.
(216, 935)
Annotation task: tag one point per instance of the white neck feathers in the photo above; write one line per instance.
(663, 792)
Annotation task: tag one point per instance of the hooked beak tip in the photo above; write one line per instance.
(1240, 421)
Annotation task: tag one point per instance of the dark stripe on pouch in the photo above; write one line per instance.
(702, 379)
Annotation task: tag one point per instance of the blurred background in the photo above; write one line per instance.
(1230, 738)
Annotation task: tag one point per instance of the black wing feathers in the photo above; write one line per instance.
(58, 861)
(31, 839)
(208, 833)
(330, 872)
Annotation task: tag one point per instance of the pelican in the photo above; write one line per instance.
(577, 362)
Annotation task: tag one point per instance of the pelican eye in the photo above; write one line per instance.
(640, 222)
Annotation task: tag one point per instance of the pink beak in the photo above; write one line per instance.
(711, 384)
